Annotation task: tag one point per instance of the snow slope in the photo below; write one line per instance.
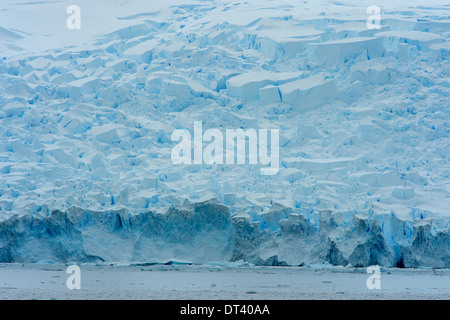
(86, 118)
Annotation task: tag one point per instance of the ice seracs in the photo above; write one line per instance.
(87, 117)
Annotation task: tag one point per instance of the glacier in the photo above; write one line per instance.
(206, 232)
(86, 118)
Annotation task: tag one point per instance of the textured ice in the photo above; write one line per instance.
(338, 51)
(86, 118)
(308, 93)
(205, 232)
(248, 85)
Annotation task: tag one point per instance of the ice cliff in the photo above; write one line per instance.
(206, 232)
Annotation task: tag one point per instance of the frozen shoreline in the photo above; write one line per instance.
(215, 282)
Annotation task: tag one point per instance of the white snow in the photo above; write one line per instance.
(247, 85)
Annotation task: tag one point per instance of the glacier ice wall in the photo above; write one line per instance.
(207, 232)
(86, 119)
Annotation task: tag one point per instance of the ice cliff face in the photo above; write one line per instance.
(206, 232)
(86, 118)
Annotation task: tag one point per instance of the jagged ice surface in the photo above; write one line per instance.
(86, 118)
